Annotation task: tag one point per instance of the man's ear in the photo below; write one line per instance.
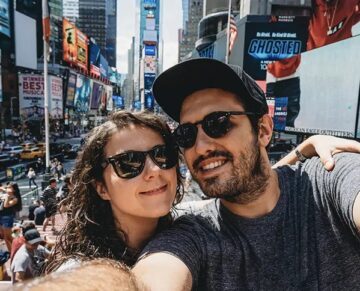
(265, 130)
(101, 190)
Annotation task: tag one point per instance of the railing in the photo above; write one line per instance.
(27, 199)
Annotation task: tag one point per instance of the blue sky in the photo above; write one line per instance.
(171, 22)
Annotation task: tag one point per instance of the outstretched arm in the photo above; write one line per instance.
(323, 146)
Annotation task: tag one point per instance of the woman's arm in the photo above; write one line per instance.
(10, 201)
(323, 146)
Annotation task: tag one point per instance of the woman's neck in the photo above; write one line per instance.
(138, 230)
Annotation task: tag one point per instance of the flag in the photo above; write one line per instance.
(233, 33)
(46, 20)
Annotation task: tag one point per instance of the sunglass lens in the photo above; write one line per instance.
(130, 165)
(165, 156)
(216, 124)
(185, 135)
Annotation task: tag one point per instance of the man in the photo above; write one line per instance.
(293, 228)
(19, 241)
(40, 214)
(49, 199)
(29, 259)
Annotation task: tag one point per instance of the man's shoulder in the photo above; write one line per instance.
(21, 255)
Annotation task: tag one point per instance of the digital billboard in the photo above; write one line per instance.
(82, 94)
(31, 97)
(150, 65)
(119, 102)
(69, 42)
(56, 97)
(104, 67)
(82, 50)
(4, 18)
(150, 50)
(109, 99)
(149, 3)
(94, 59)
(71, 88)
(327, 102)
(96, 93)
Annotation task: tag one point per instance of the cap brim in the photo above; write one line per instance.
(35, 240)
(174, 85)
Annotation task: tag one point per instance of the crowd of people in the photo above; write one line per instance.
(288, 227)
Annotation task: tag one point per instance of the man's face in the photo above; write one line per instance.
(230, 167)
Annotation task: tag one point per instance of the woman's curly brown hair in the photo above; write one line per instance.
(90, 231)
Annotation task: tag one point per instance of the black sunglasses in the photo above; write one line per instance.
(130, 164)
(215, 125)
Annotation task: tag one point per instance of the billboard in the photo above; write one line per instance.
(109, 99)
(150, 36)
(4, 18)
(150, 23)
(94, 59)
(82, 50)
(327, 102)
(31, 97)
(96, 93)
(150, 64)
(69, 42)
(25, 41)
(149, 3)
(71, 88)
(119, 102)
(104, 67)
(150, 50)
(56, 97)
(149, 98)
(82, 94)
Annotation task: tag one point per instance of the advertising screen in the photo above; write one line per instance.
(150, 65)
(94, 59)
(71, 88)
(31, 97)
(322, 99)
(82, 50)
(150, 50)
(119, 102)
(109, 99)
(96, 93)
(56, 97)
(149, 3)
(69, 42)
(104, 67)
(4, 18)
(150, 36)
(82, 94)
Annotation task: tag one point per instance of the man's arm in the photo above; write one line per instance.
(162, 271)
(323, 146)
(356, 211)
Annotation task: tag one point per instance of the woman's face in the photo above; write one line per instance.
(148, 195)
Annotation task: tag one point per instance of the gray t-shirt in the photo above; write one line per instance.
(29, 263)
(308, 242)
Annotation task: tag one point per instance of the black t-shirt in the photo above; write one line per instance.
(309, 241)
(39, 214)
(31, 211)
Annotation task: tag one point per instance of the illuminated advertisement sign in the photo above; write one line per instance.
(69, 42)
(150, 50)
(31, 96)
(150, 64)
(4, 18)
(320, 99)
(97, 91)
(71, 88)
(56, 97)
(149, 3)
(82, 94)
(263, 39)
(119, 102)
(94, 59)
(109, 99)
(82, 50)
(104, 67)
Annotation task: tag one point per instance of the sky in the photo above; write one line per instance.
(171, 22)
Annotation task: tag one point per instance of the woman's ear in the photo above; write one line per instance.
(265, 130)
(101, 190)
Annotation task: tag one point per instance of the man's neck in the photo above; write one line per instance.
(263, 205)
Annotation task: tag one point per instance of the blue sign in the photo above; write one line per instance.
(4, 17)
(119, 102)
(137, 104)
(280, 113)
(149, 101)
(274, 49)
(150, 50)
(149, 81)
(104, 67)
(149, 3)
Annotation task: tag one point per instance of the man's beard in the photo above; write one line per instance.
(247, 182)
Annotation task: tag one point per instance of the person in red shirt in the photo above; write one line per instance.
(19, 241)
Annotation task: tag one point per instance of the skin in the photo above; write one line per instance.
(138, 203)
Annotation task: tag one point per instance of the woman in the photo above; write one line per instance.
(11, 203)
(32, 175)
(120, 198)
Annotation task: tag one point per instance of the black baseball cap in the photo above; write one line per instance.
(32, 236)
(175, 84)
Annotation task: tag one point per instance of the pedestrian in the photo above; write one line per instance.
(40, 214)
(10, 203)
(32, 207)
(268, 229)
(29, 260)
(20, 240)
(59, 170)
(40, 165)
(49, 199)
(32, 175)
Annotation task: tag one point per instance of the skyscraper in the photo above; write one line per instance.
(192, 13)
(71, 10)
(97, 19)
